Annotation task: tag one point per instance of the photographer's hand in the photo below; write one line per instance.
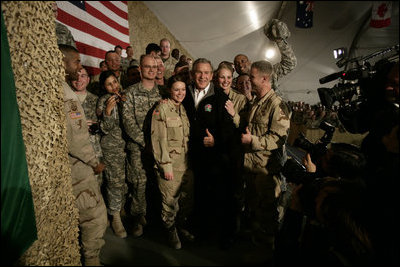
(310, 166)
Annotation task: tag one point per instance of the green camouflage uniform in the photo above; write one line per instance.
(169, 65)
(64, 35)
(269, 122)
(89, 106)
(113, 146)
(88, 198)
(169, 138)
(278, 32)
(136, 118)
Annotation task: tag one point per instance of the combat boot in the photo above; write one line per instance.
(117, 225)
(142, 220)
(186, 234)
(173, 238)
(137, 229)
(95, 261)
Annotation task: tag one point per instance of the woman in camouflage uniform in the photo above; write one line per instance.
(113, 145)
(169, 138)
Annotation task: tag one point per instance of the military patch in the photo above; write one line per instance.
(156, 112)
(74, 107)
(208, 108)
(75, 115)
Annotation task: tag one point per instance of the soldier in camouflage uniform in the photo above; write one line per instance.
(169, 61)
(113, 145)
(89, 102)
(169, 138)
(136, 118)
(64, 35)
(266, 134)
(84, 164)
(278, 32)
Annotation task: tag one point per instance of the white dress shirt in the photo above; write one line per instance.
(199, 95)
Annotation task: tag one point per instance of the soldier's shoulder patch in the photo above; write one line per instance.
(284, 109)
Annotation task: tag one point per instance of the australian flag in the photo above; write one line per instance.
(304, 14)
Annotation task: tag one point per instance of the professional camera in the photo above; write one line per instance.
(319, 149)
(120, 96)
(296, 173)
(359, 90)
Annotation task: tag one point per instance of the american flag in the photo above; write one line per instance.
(97, 26)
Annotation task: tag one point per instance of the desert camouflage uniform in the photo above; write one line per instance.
(239, 103)
(88, 199)
(169, 137)
(269, 121)
(169, 65)
(64, 35)
(136, 118)
(89, 106)
(113, 146)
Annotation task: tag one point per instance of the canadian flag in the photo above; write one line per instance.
(381, 13)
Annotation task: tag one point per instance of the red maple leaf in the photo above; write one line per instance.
(382, 9)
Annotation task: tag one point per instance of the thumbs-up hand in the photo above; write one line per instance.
(246, 138)
(208, 140)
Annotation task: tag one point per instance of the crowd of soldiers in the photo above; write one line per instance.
(211, 146)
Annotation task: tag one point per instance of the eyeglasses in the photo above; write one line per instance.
(149, 67)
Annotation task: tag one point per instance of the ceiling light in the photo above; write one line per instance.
(270, 53)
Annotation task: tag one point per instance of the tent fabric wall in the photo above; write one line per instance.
(38, 69)
(145, 28)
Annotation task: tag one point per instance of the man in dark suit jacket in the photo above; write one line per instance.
(213, 138)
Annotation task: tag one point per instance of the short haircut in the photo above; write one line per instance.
(101, 63)
(117, 46)
(238, 55)
(109, 52)
(181, 64)
(201, 60)
(152, 47)
(128, 47)
(164, 39)
(132, 67)
(67, 49)
(263, 66)
(142, 57)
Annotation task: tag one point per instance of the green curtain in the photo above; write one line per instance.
(18, 226)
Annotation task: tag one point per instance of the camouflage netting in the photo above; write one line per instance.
(145, 28)
(38, 69)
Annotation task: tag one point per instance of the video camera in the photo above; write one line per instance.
(357, 92)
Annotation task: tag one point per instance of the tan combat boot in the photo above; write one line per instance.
(117, 225)
(173, 238)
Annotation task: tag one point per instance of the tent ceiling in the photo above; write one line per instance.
(218, 30)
